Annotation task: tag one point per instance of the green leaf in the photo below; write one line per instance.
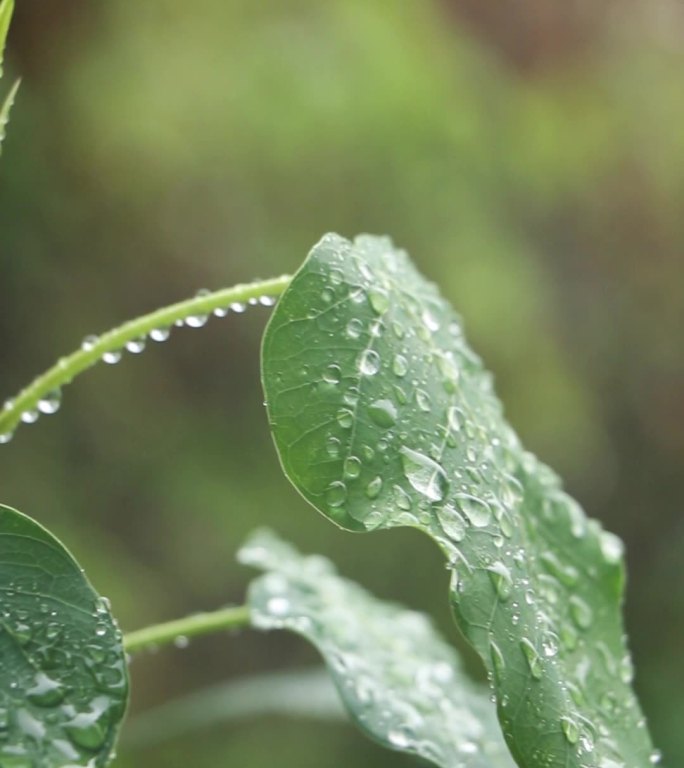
(306, 693)
(401, 682)
(383, 417)
(6, 9)
(63, 677)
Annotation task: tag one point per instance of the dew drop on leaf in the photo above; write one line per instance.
(424, 474)
(476, 510)
(581, 612)
(383, 412)
(336, 494)
(369, 362)
(400, 366)
(452, 522)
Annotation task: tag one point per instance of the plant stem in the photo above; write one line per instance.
(67, 368)
(190, 626)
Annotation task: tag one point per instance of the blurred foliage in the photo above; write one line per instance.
(533, 165)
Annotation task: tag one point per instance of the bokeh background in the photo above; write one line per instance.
(530, 156)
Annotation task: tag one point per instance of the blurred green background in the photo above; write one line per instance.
(529, 155)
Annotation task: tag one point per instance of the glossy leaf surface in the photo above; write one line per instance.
(400, 681)
(63, 677)
(383, 416)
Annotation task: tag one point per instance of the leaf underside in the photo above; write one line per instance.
(63, 677)
(383, 416)
(400, 681)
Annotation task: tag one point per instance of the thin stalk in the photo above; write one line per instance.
(67, 368)
(190, 626)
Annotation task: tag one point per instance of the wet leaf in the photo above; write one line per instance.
(400, 681)
(383, 416)
(63, 678)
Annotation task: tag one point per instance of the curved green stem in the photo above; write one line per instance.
(190, 626)
(112, 342)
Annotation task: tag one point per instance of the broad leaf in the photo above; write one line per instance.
(384, 417)
(63, 678)
(401, 682)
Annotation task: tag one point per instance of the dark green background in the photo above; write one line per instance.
(529, 156)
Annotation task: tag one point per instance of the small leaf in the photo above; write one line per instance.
(401, 682)
(408, 432)
(63, 677)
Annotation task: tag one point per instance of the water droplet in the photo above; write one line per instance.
(476, 510)
(379, 300)
(352, 467)
(332, 374)
(399, 738)
(423, 400)
(565, 573)
(354, 328)
(533, 658)
(502, 580)
(160, 334)
(383, 413)
(267, 301)
(5, 437)
(136, 346)
(611, 547)
(345, 418)
(374, 487)
(333, 446)
(336, 494)
(424, 474)
(580, 611)
(112, 357)
(400, 365)
(278, 606)
(87, 729)
(452, 522)
(45, 692)
(570, 728)
(626, 669)
(369, 362)
(655, 757)
(238, 307)
(401, 498)
(455, 418)
(50, 403)
(430, 321)
(89, 342)
(196, 321)
(550, 644)
(497, 659)
(30, 416)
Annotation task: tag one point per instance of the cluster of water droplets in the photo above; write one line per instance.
(418, 438)
(51, 402)
(400, 680)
